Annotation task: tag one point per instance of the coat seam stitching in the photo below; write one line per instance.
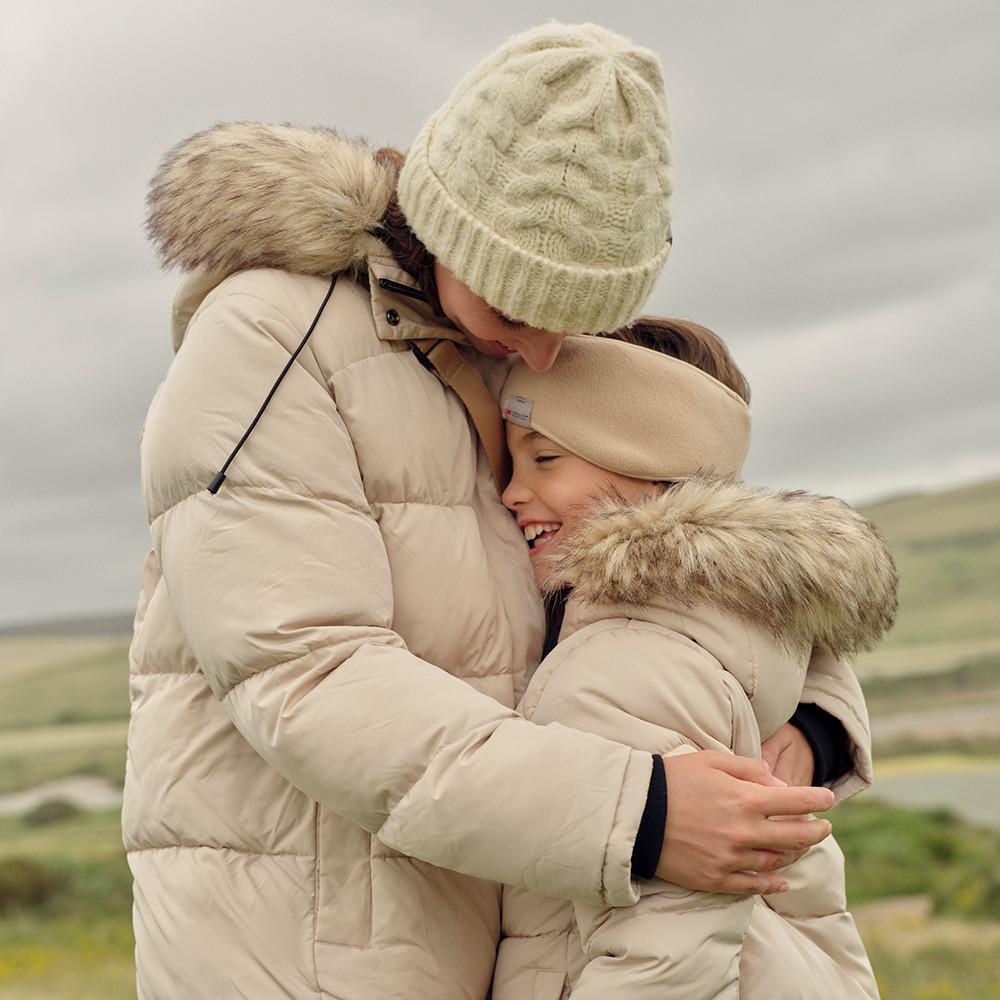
(316, 888)
(605, 863)
(409, 790)
(218, 847)
(568, 929)
(251, 487)
(284, 663)
(322, 497)
(169, 673)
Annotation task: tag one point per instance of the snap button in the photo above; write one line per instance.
(392, 317)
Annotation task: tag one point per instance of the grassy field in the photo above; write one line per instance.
(915, 878)
(926, 884)
(65, 898)
(947, 549)
(32, 756)
(63, 708)
(54, 681)
(917, 956)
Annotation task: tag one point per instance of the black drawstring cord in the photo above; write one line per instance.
(220, 477)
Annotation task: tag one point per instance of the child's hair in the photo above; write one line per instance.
(689, 342)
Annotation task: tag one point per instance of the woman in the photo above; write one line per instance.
(326, 778)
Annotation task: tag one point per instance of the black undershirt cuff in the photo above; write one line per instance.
(829, 741)
(649, 839)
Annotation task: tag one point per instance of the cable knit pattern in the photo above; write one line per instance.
(544, 182)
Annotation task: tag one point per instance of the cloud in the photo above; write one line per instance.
(835, 221)
(897, 396)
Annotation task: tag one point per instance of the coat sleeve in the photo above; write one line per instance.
(832, 684)
(656, 690)
(282, 587)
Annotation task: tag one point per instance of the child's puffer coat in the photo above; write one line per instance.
(693, 621)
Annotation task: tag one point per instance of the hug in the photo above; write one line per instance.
(348, 776)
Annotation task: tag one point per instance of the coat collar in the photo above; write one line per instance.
(806, 569)
(247, 195)
(397, 315)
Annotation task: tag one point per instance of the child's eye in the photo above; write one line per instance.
(545, 458)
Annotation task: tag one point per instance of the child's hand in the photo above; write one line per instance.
(788, 756)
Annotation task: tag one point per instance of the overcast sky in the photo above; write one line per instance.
(836, 220)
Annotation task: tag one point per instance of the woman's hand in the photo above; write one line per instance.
(789, 756)
(720, 836)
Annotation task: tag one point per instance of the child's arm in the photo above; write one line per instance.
(655, 690)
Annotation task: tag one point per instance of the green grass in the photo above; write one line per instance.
(78, 945)
(67, 958)
(935, 972)
(46, 682)
(970, 682)
(971, 746)
(63, 708)
(947, 548)
(31, 756)
(891, 851)
(895, 661)
(64, 702)
(87, 836)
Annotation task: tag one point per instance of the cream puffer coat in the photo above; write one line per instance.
(326, 778)
(694, 620)
(325, 771)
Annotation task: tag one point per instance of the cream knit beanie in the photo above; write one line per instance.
(544, 182)
(632, 410)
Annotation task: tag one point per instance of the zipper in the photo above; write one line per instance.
(396, 286)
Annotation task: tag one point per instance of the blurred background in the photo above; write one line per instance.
(836, 221)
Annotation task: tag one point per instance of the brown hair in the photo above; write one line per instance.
(690, 342)
(394, 231)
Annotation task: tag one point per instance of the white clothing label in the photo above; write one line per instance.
(517, 410)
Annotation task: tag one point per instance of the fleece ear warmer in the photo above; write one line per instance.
(632, 410)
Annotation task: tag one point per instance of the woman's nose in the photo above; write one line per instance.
(539, 349)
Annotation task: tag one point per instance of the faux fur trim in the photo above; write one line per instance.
(246, 195)
(806, 568)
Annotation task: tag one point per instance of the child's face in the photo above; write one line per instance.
(551, 491)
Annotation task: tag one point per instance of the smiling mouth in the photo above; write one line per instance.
(538, 536)
(502, 348)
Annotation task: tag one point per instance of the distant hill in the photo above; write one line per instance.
(119, 623)
(947, 549)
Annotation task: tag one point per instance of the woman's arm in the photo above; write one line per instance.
(282, 586)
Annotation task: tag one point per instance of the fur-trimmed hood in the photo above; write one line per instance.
(246, 195)
(806, 568)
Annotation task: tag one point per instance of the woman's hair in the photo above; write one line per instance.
(690, 342)
(411, 255)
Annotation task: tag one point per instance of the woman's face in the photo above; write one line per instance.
(488, 331)
(551, 491)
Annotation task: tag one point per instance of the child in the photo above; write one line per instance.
(695, 605)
